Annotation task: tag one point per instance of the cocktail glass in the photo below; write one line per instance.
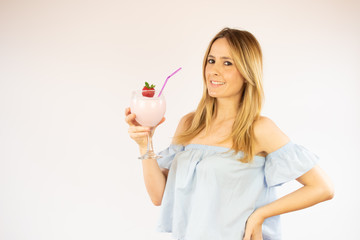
(149, 111)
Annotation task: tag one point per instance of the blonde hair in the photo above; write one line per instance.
(246, 53)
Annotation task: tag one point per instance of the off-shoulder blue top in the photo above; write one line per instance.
(210, 194)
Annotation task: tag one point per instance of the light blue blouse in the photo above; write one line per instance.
(210, 194)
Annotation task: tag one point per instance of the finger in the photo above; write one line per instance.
(247, 235)
(257, 236)
(138, 135)
(162, 120)
(135, 129)
(130, 119)
(127, 111)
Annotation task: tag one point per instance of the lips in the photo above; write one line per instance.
(216, 83)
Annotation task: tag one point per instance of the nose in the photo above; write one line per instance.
(214, 69)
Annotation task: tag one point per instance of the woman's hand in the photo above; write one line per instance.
(253, 229)
(137, 132)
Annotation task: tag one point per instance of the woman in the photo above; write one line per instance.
(217, 178)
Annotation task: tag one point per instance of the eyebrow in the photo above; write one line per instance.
(229, 58)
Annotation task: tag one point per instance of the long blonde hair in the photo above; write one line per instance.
(246, 53)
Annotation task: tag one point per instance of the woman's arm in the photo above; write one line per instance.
(317, 186)
(154, 176)
(155, 180)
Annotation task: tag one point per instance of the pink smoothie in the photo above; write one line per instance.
(148, 111)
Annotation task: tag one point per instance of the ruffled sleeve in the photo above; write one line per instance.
(168, 155)
(288, 163)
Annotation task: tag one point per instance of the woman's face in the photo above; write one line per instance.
(223, 80)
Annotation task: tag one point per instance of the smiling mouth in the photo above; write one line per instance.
(217, 83)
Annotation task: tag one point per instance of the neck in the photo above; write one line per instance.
(226, 109)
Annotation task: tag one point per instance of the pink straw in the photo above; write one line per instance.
(167, 80)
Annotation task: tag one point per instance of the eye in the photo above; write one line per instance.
(211, 61)
(227, 63)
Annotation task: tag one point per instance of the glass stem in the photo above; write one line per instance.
(150, 147)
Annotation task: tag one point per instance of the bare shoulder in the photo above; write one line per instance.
(184, 122)
(268, 136)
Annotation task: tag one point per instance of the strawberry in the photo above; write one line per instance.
(147, 87)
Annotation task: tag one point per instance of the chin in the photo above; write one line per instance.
(213, 94)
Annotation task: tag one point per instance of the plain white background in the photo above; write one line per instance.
(68, 169)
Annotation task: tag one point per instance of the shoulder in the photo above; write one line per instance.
(268, 136)
(184, 123)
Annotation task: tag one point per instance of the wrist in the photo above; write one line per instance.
(260, 214)
(142, 149)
